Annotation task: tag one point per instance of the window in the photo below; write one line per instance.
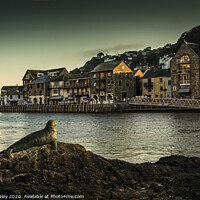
(161, 80)
(38, 85)
(127, 83)
(120, 83)
(56, 83)
(120, 74)
(169, 82)
(184, 59)
(42, 86)
(123, 95)
(109, 83)
(55, 91)
(161, 88)
(102, 75)
(109, 97)
(94, 75)
(18, 96)
(10, 96)
(67, 90)
(109, 74)
(94, 84)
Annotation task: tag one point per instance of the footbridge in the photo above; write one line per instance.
(147, 103)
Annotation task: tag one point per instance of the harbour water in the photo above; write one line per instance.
(133, 137)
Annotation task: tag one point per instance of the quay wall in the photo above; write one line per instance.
(67, 108)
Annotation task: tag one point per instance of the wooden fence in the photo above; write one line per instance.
(67, 108)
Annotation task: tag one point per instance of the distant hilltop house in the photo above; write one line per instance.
(12, 95)
(164, 62)
(156, 84)
(185, 71)
(112, 81)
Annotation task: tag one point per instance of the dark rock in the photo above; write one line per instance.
(71, 170)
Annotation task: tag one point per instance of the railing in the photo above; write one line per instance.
(184, 82)
(166, 102)
(183, 71)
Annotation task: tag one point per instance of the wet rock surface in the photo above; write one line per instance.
(71, 170)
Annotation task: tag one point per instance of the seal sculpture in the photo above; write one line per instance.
(48, 135)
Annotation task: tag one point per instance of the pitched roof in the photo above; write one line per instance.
(109, 66)
(33, 73)
(156, 73)
(12, 89)
(194, 47)
(42, 79)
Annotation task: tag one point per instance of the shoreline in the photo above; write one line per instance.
(71, 170)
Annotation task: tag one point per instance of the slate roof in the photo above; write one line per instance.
(11, 90)
(42, 79)
(33, 73)
(109, 66)
(194, 47)
(156, 73)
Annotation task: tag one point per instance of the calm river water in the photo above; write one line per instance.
(133, 137)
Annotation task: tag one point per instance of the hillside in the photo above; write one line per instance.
(145, 57)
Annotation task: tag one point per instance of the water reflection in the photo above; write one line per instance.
(134, 137)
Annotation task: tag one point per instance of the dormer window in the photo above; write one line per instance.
(40, 74)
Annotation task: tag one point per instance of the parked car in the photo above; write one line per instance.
(86, 100)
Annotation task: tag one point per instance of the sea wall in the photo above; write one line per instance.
(67, 108)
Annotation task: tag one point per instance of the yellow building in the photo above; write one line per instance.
(156, 84)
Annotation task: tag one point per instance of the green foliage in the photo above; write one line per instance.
(147, 56)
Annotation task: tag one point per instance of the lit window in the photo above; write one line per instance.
(94, 84)
(94, 76)
(185, 59)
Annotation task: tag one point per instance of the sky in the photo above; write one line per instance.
(46, 34)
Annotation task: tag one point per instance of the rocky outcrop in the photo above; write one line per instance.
(71, 170)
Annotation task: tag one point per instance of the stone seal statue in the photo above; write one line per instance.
(48, 135)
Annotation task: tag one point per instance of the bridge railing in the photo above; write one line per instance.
(166, 102)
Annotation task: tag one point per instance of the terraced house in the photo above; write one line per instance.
(12, 95)
(36, 84)
(112, 81)
(185, 71)
(156, 84)
(68, 89)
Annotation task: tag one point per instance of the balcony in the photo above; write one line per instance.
(183, 61)
(56, 86)
(183, 71)
(184, 82)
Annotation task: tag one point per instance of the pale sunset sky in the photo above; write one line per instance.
(46, 34)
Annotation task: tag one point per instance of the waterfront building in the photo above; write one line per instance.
(36, 84)
(138, 74)
(12, 95)
(74, 88)
(185, 71)
(156, 84)
(112, 81)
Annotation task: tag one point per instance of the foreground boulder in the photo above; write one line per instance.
(71, 170)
